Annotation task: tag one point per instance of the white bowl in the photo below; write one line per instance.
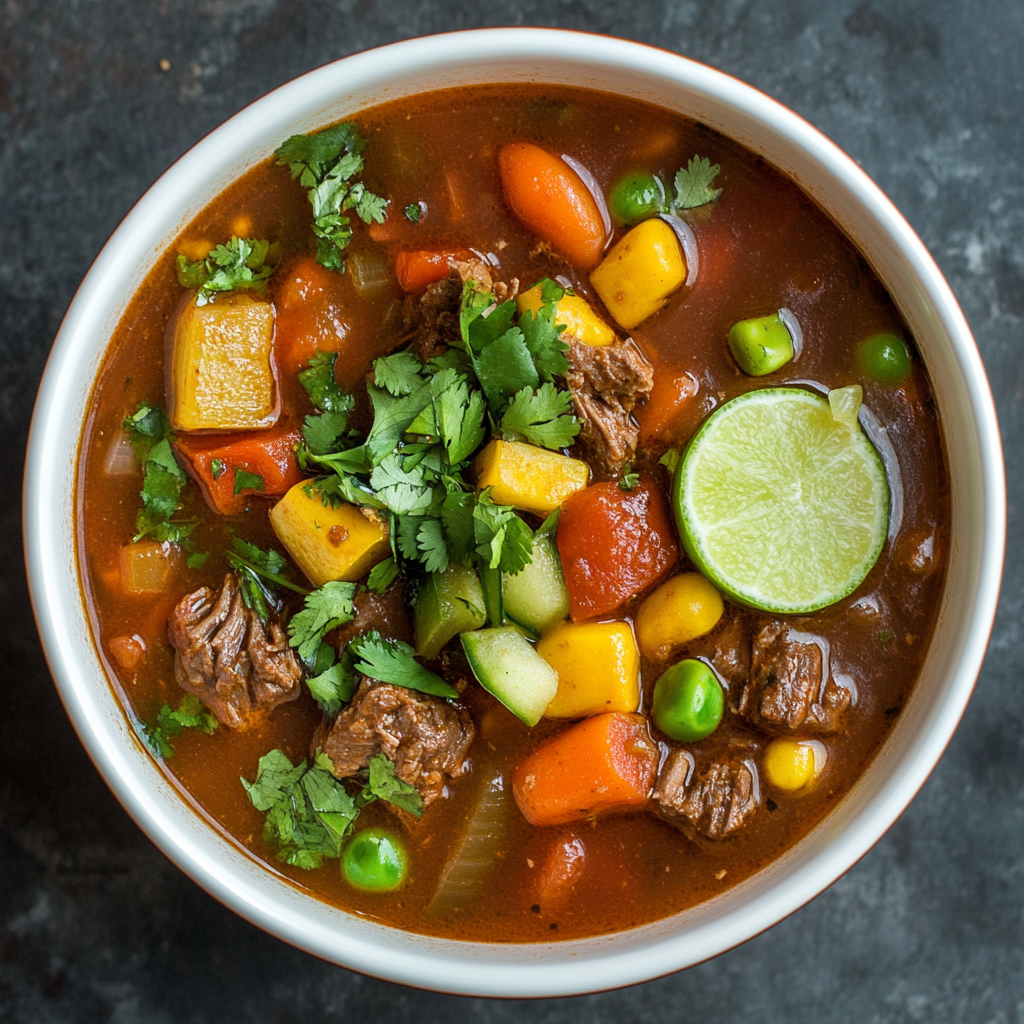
(900, 260)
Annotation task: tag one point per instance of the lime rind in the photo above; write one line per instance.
(780, 505)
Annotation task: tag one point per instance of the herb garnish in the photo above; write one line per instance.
(629, 479)
(693, 184)
(241, 265)
(191, 713)
(326, 162)
(394, 661)
(258, 572)
(413, 212)
(308, 810)
(244, 480)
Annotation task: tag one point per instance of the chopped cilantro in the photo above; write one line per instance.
(383, 784)
(693, 184)
(334, 687)
(398, 373)
(886, 636)
(191, 713)
(197, 560)
(503, 540)
(326, 162)
(382, 575)
(629, 479)
(393, 661)
(542, 417)
(413, 212)
(670, 460)
(217, 467)
(324, 609)
(238, 266)
(259, 572)
(321, 385)
(543, 336)
(245, 480)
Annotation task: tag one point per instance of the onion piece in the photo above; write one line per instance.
(466, 871)
(146, 566)
(370, 272)
(120, 460)
(688, 241)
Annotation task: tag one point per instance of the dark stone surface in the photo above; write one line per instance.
(94, 924)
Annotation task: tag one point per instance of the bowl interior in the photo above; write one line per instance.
(898, 258)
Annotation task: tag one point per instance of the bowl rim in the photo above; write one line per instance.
(447, 965)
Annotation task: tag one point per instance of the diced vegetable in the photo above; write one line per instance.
(128, 651)
(561, 869)
(637, 277)
(416, 270)
(120, 460)
(761, 345)
(370, 272)
(215, 463)
(884, 357)
(550, 198)
(613, 544)
(328, 543)
(600, 764)
(494, 601)
(680, 610)
(529, 478)
(672, 393)
(637, 196)
(309, 315)
(147, 565)
(792, 764)
(507, 666)
(581, 322)
(220, 370)
(374, 860)
(688, 701)
(536, 597)
(598, 668)
(449, 603)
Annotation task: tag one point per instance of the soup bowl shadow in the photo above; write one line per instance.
(854, 202)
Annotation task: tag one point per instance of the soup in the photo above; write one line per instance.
(535, 500)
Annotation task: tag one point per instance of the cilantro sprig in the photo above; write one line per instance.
(309, 812)
(394, 661)
(327, 163)
(240, 265)
(163, 479)
(191, 713)
(693, 184)
(260, 573)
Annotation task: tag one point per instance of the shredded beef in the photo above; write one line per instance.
(225, 656)
(606, 381)
(788, 688)
(426, 738)
(714, 804)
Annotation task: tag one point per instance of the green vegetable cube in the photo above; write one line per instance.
(762, 345)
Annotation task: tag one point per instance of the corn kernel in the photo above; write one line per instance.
(682, 609)
(793, 764)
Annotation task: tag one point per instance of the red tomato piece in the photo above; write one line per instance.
(309, 315)
(613, 544)
(416, 270)
(213, 460)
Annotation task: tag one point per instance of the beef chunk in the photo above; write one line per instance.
(388, 613)
(606, 381)
(714, 804)
(426, 738)
(225, 656)
(786, 690)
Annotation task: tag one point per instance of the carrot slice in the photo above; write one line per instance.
(550, 198)
(214, 461)
(603, 763)
(613, 544)
(416, 270)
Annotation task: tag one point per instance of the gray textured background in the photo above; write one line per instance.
(94, 924)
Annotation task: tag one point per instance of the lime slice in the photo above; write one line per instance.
(781, 503)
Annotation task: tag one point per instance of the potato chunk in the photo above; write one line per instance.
(328, 543)
(220, 375)
(636, 278)
(581, 322)
(529, 478)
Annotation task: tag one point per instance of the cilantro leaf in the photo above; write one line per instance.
(259, 572)
(433, 550)
(323, 610)
(413, 212)
(326, 162)
(324, 434)
(321, 385)
(629, 479)
(459, 421)
(245, 480)
(197, 559)
(382, 575)
(393, 661)
(191, 713)
(693, 185)
(238, 266)
(406, 489)
(541, 417)
(144, 427)
(383, 784)
(162, 478)
(335, 686)
(504, 367)
(459, 526)
(503, 540)
(542, 336)
(217, 468)
(670, 460)
(398, 373)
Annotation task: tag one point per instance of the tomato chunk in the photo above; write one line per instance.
(601, 764)
(416, 270)
(309, 315)
(672, 394)
(613, 544)
(214, 460)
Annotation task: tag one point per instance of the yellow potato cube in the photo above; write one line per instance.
(581, 322)
(220, 372)
(529, 478)
(640, 273)
(340, 543)
(792, 764)
(598, 668)
(684, 608)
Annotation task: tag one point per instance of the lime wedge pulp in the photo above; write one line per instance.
(781, 505)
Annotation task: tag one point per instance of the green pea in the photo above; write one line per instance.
(884, 357)
(636, 196)
(688, 701)
(762, 345)
(374, 860)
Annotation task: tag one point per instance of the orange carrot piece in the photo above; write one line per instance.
(671, 394)
(416, 270)
(214, 460)
(561, 868)
(603, 763)
(550, 198)
(310, 315)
